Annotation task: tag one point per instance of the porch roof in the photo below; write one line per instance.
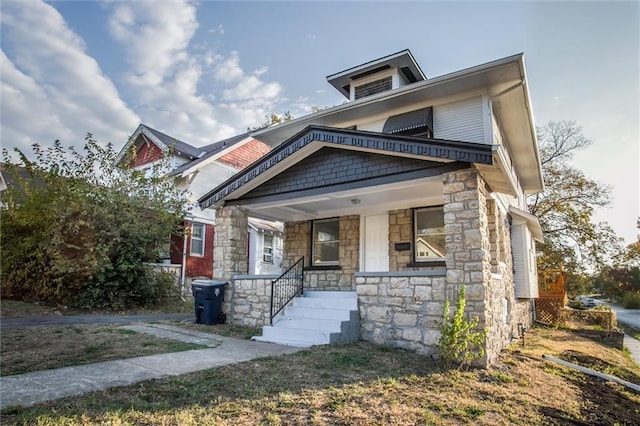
(450, 154)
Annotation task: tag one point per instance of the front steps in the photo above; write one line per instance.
(317, 318)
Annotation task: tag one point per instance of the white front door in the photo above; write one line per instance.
(375, 246)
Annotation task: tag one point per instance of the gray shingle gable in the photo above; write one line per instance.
(333, 166)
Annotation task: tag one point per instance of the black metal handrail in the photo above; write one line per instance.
(286, 287)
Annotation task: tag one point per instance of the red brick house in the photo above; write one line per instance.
(197, 168)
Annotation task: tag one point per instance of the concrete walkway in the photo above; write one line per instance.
(31, 388)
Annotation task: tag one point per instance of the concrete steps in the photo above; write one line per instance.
(317, 318)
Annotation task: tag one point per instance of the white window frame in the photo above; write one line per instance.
(416, 258)
(314, 242)
(267, 250)
(199, 238)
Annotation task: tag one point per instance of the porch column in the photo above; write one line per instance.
(467, 238)
(230, 243)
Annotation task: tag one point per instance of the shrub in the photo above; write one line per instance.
(77, 230)
(460, 341)
(631, 300)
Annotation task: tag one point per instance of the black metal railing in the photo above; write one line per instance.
(286, 287)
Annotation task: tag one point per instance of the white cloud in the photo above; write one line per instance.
(183, 88)
(155, 34)
(51, 89)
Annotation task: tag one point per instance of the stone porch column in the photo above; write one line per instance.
(467, 239)
(230, 243)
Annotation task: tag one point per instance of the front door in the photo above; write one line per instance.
(375, 246)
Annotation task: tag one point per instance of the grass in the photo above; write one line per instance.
(42, 348)
(368, 384)
(17, 309)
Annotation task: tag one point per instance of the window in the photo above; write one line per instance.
(325, 242)
(267, 248)
(429, 234)
(372, 88)
(197, 239)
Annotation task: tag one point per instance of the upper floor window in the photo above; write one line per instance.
(377, 86)
(326, 234)
(429, 234)
(267, 248)
(197, 239)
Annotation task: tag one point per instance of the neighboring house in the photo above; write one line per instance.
(407, 164)
(198, 168)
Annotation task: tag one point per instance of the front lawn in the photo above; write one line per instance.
(368, 384)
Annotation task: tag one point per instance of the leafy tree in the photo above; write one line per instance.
(77, 230)
(271, 120)
(565, 208)
(622, 279)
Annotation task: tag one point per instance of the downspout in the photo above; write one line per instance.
(183, 270)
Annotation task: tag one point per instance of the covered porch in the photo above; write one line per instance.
(400, 221)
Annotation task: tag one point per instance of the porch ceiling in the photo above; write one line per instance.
(374, 199)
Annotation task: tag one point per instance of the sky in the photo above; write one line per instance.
(207, 70)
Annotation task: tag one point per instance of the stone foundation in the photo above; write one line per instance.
(247, 300)
(401, 310)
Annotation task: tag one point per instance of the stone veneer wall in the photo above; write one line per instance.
(247, 300)
(479, 257)
(297, 237)
(230, 243)
(400, 224)
(401, 310)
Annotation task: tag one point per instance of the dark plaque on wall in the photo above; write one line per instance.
(402, 246)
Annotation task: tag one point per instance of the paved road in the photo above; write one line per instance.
(9, 323)
(628, 316)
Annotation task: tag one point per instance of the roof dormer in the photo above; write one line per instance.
(387, 73)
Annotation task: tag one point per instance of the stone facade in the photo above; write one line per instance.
(400, 231)
(401, 310)
(247, 300)
(230, 243)
(401, 307)
(297, 240)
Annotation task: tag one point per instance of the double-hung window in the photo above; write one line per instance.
(267, 248)
(429, 234)
(326, 235)
(197, 239)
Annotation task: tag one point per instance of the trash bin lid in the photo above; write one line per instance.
(207, 283)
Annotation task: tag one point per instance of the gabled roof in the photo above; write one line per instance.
(504, 80)
(179, 147)
(313, 138)
(197, 156)
(211, 152)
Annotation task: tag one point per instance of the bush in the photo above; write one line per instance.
(631, 300)
(77, 230)
(460, 341)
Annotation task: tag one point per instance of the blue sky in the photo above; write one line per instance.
(202, 71)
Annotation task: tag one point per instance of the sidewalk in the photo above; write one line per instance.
(31, 388)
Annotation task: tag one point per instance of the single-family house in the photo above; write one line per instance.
(197, 168)
(391, 202)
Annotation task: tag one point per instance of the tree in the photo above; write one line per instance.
(565, 208)
(622, 277)
(271, 120)
(78, 230)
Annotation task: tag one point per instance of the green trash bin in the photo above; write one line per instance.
(207, 301)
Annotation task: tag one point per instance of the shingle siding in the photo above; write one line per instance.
(331, 166)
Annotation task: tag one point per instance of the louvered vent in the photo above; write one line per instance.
(372, 88)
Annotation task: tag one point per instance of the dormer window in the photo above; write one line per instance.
(384, 74)
(373, 87)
